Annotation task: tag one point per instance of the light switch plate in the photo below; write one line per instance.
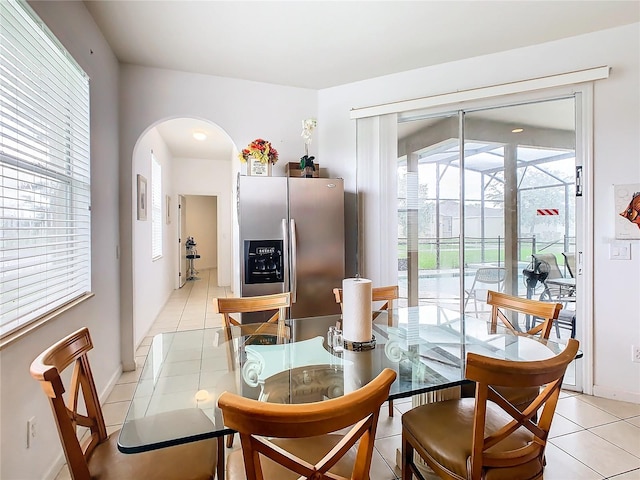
(620, 251)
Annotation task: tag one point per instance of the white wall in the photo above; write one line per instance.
(616, 153)
(244, 110)
(154, 280)
(209, 177)
(202, 220)
(21, 396)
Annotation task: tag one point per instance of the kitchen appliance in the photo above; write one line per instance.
(292, 239)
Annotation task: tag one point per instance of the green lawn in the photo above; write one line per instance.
(449, 256)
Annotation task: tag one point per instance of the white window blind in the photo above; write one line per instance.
(45, 219)
(156, 207)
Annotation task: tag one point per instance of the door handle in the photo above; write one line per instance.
(285, 262)
(294, 261)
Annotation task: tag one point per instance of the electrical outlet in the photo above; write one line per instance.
(635, 354)
(31, 431)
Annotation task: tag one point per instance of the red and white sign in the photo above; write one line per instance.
(548, 211)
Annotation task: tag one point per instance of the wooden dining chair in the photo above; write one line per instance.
(97, 456)
(487, 436)
(506, 307)
(378, 294)
(301, 441)
(262, 303)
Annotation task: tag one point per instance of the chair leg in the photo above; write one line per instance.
(220, 472)
(230, 440)
(407, 459)
(391, 408)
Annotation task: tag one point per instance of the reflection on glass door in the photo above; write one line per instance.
(428, 211)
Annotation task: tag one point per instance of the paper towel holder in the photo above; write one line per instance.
(359, 346)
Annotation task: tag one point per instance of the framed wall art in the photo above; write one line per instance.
(627, 202)
(142, 198)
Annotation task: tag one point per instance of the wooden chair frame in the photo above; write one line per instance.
(489, 373)
(261, 303)
(378, 294)
(546, 311)
(46, 369)
(255, 420)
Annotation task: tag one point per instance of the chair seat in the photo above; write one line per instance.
(310, 449)
(445, 430)
(191, 461)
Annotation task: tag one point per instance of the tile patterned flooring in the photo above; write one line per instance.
(591, 438)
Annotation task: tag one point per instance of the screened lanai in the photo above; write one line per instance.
(508, 198)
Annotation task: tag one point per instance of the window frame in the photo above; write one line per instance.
(45, 184)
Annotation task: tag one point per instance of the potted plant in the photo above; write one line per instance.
(307, 167)
(260, 155)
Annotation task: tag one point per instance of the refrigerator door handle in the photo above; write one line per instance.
(285, 236)
(294, 262)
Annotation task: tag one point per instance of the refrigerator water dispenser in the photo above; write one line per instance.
(263, 260)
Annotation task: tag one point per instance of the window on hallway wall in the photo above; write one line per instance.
(156, 207)
(45, 188)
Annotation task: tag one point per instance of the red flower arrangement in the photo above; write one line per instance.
(261, 150)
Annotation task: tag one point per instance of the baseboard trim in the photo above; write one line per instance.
(615, 394)
(53, 471)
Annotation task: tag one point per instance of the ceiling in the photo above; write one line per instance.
(321, 44)
(178, 136)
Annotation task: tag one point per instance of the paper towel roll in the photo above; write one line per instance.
(356, 309)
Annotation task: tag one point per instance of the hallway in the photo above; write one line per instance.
(591, 438)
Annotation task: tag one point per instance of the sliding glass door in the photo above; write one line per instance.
(487, 201)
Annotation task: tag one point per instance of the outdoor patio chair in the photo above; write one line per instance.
(486, 278)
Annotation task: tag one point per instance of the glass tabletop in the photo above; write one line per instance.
(185, 372)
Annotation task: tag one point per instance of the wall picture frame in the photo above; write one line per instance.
(627, 213)
(142, 198)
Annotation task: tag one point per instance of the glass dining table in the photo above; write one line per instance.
(175, 400)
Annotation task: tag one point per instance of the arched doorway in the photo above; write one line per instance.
(176, 159)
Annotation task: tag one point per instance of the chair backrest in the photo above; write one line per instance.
(378, 294)
(260, 303)
(490, 275)
(255, 420)
(551, 260)
(501, 304)
(525, 445)
(570, 262)
(46, 368)
(484, 279)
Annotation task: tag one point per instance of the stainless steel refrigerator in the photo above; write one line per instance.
(292, 239)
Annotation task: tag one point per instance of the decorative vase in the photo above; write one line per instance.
(256, 168)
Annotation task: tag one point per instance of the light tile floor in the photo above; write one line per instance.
(591, 438)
